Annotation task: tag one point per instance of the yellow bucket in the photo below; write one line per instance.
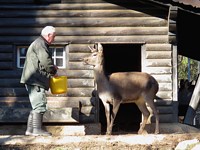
(58, 85)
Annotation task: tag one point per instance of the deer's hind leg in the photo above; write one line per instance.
(151, 104)
(145, 112)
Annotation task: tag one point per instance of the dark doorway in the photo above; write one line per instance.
(188, 32)
(122, 58)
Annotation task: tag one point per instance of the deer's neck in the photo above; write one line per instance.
(100, 78)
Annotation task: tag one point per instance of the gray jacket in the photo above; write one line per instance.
(38, 65)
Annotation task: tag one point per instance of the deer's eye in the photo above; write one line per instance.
(94, 54)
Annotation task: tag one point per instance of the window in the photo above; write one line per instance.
(58, 55)
(21, 56)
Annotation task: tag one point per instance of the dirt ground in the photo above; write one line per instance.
(97, 142)
(168, 139)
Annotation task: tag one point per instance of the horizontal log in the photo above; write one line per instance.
(79, 5)
(158, 47)
(71, 92)
(67, 115)
(81, 31)
(164, 102)
(93, 39)
(6, 65)
(165, 86)
(10, 73)
(15, 105)
(85, 92)
(6, 48)
(86, 22)
(78, 66)
(158, 62)
(163, 78)
(74, 92)
(10, 115)
(160, 54)
(9, 82)
(17, 1)
(13, 92)
(165, 109)
(53, 102)
(58, 102)
(172, 28)
(77, 56)
(6, 56)
(82, 48)
(166, 118)
(61, 102)
(164, 94)
(158, 70)
(73, 83)
(80, 73)
(79, 13)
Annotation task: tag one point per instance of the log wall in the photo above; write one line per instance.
(79, 24)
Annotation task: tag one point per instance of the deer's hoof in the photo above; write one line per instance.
(108, 133)
(156, 132)
(142, 132)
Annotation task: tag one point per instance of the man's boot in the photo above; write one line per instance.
(37, 125)
(29, 129)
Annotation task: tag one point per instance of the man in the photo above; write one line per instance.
(38, 69)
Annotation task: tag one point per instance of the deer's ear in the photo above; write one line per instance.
(92, 49)
(99, 47)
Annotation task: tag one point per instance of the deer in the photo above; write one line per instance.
(123, 87)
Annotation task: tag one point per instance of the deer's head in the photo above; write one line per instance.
(96, 56)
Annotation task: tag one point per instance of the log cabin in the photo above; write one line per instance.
(139, 35)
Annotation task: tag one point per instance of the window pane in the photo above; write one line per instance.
(59, 51)
(59, 62)
(23, 51)
(22, 62)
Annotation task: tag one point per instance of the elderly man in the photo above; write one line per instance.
(38, 69)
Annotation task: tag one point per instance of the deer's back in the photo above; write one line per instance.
(132, 84)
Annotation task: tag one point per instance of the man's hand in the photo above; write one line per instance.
(56, 68)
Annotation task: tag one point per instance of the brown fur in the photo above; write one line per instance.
(123, 87)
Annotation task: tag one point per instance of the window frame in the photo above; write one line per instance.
(63, 57)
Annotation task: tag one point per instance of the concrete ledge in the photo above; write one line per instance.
(95, 129)
(56, 130)
(169, 128)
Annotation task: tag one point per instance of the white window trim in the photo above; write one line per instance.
(64, 58)
(20, 57)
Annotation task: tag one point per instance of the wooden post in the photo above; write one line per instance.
(191, 112)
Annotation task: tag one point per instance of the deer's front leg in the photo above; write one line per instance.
(116, 104)
(107, 112)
